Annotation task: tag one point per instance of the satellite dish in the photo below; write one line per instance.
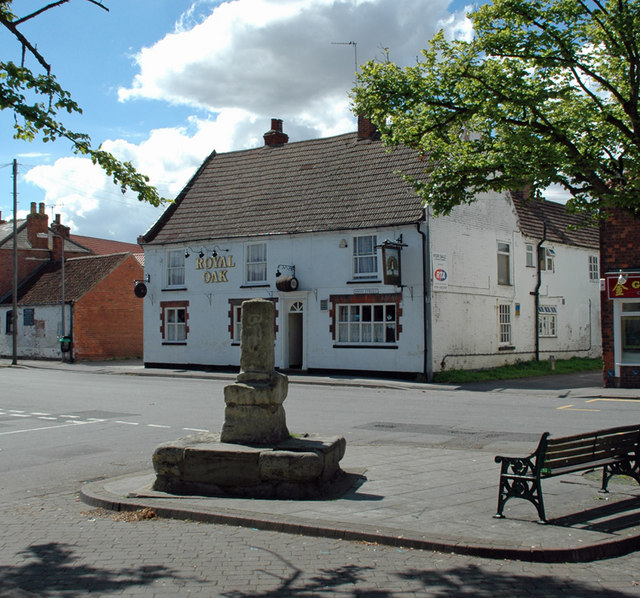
(140, 290)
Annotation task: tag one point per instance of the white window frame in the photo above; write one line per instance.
(547, 259)
(547, 321)
(255, 263)
(367, 323)
(504, 253)
(531, 255)
(504, 323)
(237, 322)
(175, 330)
(594, 268)
(365, 260)
(175, 268)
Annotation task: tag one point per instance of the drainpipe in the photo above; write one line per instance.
(427, 362)
(536, 293)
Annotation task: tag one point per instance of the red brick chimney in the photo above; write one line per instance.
(275, 137)
(37, 222)
(63, 231)
(366, 129)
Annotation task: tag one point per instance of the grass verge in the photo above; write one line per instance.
(521, 369)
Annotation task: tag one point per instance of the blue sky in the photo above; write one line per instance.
(162, 83)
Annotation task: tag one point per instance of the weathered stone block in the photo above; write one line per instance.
(288, 465)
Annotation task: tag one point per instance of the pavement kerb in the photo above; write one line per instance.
(97, 495)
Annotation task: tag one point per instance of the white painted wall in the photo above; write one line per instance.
(465, 310)
(39, 341)
(465, 313)
(323, 268)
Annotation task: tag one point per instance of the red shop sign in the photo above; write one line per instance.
(623, 289)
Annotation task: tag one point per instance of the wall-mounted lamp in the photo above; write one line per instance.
(216, 249)
(343, 243)
(203, 251)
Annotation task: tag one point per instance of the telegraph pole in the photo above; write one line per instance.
(14, 312)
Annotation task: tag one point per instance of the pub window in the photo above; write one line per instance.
(365, 256)
(8, 325)
(367, 323)
(256, 263)
(175, 268)
(174, 316)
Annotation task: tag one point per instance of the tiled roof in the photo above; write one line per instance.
(336, 183)
(6, 234)
(80, 275)
(562, 227)
(105, 246)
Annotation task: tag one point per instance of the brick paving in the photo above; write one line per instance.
(57, 546)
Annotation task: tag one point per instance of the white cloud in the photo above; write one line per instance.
(275, 58)
(243, 62)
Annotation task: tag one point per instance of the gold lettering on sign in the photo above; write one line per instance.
(216, 268)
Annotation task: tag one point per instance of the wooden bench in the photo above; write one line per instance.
(616, 450)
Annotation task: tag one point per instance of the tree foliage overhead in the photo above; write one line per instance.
(36, 100)
(547, 92)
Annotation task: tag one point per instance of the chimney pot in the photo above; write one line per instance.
(41, 206)
(275, 136)
(33, 207)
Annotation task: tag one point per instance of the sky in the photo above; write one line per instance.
(163, 83)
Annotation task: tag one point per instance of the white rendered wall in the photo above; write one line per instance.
(466, 312)
(39, 341)
(322, 267)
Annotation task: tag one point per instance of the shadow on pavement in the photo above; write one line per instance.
(54, 569)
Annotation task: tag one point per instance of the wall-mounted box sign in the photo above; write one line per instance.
(216, 268)
(623, 286)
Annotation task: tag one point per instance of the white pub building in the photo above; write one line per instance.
(362, 277)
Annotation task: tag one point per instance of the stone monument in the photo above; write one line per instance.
(254, 412)
(254, 456)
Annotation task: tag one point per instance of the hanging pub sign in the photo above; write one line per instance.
(623, 286)
(391, 262)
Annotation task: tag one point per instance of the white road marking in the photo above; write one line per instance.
(40, 429)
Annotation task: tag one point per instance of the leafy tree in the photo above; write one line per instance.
(546, 92)
(36, 100)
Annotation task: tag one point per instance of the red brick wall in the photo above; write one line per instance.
(107, 321)
(619, 249)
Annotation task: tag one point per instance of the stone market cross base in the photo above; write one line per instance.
(295, 468)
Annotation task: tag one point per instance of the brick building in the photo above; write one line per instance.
(99, 311)
(620, 309)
